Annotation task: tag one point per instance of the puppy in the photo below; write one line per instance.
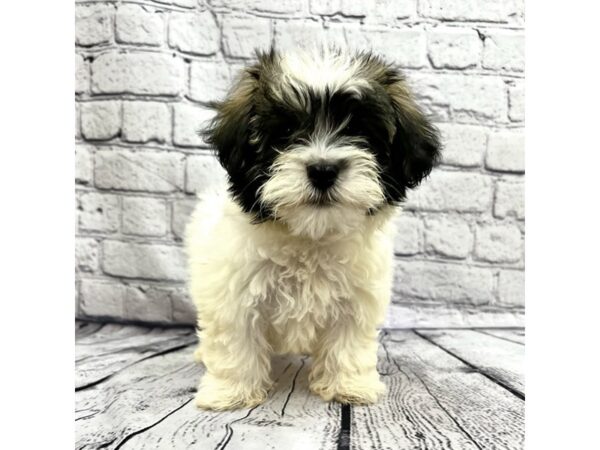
(320, 147)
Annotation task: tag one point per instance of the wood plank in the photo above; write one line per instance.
(114, 332)
(516, 335)
(435, 401)
(408, 416)
(444, 315)
(291, 418)
(497, 358)
(83, 329)
(133, 399)
(115, 347)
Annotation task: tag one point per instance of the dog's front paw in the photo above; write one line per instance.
(221, 394)
(356, 390)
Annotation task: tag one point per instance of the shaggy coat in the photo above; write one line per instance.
(296, 257)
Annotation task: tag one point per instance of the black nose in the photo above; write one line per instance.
(322, 175)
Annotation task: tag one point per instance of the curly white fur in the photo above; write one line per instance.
(262, 289)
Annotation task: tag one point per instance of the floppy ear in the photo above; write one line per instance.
(416, 143)
(229, 131)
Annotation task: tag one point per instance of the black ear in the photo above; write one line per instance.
(229, 131)
(416, 143)
(235, 137)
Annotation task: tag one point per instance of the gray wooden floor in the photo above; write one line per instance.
(447, 389)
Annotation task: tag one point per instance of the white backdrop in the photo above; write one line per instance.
(146, 69)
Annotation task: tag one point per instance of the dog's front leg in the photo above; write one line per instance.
(237, 359)
(344, 366)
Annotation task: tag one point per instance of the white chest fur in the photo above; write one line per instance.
(290, 285)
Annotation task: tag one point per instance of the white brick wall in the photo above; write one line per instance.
(145, 71)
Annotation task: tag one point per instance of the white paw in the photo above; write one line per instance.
(219, 394)
(356, 390)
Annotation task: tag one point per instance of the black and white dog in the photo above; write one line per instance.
(320, 148)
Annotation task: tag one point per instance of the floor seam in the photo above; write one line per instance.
(103, 379)
(135, 433)
(502, 338)
(472, 366)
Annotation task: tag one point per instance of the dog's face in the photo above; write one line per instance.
(321, 140)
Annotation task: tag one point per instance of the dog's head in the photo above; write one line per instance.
(321, 140)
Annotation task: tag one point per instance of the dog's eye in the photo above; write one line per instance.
(353, 129)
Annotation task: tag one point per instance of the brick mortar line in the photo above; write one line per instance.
(123, 48)
(415, 18)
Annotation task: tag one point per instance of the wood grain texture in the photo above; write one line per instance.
(516, 335)
(83, 329)
(440, 315)
(497, 358)
(408, 416)
(434, 401)
(114, 347)
(291, 418)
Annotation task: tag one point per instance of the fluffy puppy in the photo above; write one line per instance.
(320, 148)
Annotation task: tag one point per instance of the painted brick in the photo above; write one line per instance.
(404, 47)
(443, 282)
(195, 33)
(454, 48)
(100, 120)
(460, 10)
(204, 173)
(500, 243)
(506, 151)
(138, 73)
(463, 145)
(452, 191)
(209, 80)
(511, 288)
(139, 171)
(306, 34)
(137, 24)
(77, 121)
(146, 121)
(151, 261)
(189, 121)
(144, 216)
(101, 299)
(182, 58)
(242, 35)
(277, 7)
(148, 303)
(469, 96)
(93, 24)
(183, 307)
(510, 199)
(504, 50)
(409, 235)
(344, 7)
(516, 102)
(98, 212)
(84, 165)
(383, 11)
(86, 254)
(186, 3)
(181, 214)
(380, 11)
(448, 236)
(82, 75)
(265, 7)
